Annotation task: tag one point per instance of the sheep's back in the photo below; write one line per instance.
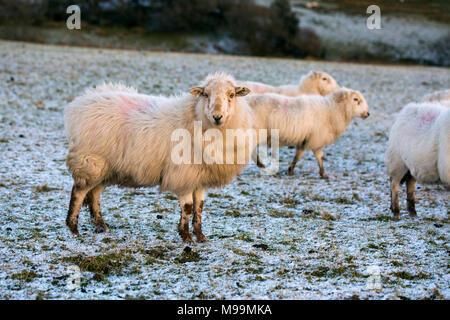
(128, 130)
(443, 95)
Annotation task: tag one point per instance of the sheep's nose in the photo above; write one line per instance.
(368, 113)
(217, 119)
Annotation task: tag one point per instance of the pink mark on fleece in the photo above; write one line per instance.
(260, 88)
(127, 105)
(283, 104)
(130, 104)
(427, 118)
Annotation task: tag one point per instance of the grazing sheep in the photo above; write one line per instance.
(418, 150)
(120, 137)
(440, 96)
(308, 122)
(315, 82)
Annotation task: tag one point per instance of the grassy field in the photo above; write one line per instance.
(279, 237)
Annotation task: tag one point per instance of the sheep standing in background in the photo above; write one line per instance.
(308, 122)
(120, 137)
(315, 82)
(418, 150)
(440, 96)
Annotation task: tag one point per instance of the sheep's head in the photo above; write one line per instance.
(353, 100)
(217, 97)
(317, 82)
(443, 95)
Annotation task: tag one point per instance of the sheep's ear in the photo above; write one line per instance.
(314, 74)
(241, 91)
(341, 96)
(196, 91)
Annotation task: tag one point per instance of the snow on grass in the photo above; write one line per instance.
(272, 237)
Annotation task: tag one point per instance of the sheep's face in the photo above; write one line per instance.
(322, 82)
(326, 83)
(354, 101)
(218, 100)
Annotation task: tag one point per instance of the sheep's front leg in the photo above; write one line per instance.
(93, 201)
(186, 203)
(76, 201)
(395, 182)
(319, 156)
(410, 188)
(199, 200)
(298, 154)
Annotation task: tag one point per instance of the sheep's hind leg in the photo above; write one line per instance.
(298, 154)
(199, 200)
(93, 201)
(186, 203)
(259, 163)
(319, 156)
(258, 159)
(76, 201)
(410, 188)
(395, 208)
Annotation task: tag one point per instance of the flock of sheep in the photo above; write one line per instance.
(121, 137)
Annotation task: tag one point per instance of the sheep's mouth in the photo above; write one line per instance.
(217, 123)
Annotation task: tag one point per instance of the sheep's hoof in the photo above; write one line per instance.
(101, 228)
(395, 211)
(396, 214)
(324, 176)
(73, 228)
(412, 213)
(201, 237)
(187, 238)
(291, 171)
(74, 231)
(259, 163)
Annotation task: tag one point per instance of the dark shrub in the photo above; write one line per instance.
(442, 50)
(187, 15)
(22, 12)
(272, 31)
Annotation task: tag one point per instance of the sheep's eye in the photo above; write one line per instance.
(324, 79)
(205, 94)
(355, 99)
(232, 95)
